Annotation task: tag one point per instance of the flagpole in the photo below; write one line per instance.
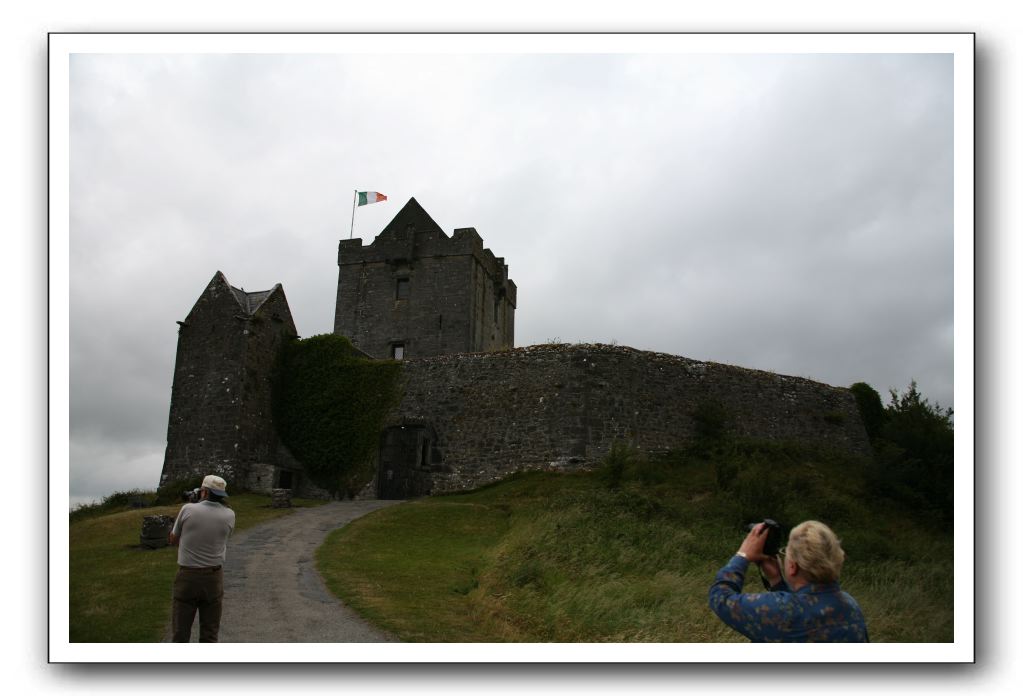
(355, 195)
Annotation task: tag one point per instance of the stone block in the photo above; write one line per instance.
(280, 498)
(155, 529)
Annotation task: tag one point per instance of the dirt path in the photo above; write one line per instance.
(272, 592)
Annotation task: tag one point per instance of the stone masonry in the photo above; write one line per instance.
(417, 291)
(561, 406)
(220, 416)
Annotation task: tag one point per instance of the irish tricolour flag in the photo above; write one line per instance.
(367, 197)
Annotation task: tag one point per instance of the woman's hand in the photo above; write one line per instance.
(753, 545)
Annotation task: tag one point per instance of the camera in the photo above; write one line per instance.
(773, 540)
(191, 496)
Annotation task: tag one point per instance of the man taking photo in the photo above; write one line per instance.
(200, 532)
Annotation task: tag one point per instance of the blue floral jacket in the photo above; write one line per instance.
(813, 614)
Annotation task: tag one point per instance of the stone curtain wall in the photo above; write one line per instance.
(561, 407)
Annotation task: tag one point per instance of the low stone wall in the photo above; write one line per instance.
(561, 407)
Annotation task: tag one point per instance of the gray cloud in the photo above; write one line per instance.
(783, 212)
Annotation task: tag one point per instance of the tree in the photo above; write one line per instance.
(914, 453)
(925, 431)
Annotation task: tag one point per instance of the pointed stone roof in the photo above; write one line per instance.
(250, 301)
(412, 214)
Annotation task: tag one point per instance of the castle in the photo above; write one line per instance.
(473, 408)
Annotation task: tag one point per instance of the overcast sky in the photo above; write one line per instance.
(791, 213)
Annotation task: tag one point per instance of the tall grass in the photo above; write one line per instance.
(627, 553)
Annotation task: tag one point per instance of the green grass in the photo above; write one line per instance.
(435, 585)
(120, 592)
(628, 555)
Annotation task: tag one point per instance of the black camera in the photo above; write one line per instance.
(191, 496)
(773, 541)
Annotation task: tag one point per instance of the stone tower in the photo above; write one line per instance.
(415, 292)
(220, 414)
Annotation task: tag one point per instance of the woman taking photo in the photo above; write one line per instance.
(805, 603)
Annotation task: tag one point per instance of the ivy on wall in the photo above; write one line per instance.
(329, 407)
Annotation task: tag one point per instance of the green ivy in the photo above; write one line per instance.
(329, 407)
(872, 412)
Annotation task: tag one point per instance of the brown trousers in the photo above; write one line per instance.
(202, 590)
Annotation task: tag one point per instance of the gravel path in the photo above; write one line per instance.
(272, 592)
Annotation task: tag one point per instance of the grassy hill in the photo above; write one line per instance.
(628, 552)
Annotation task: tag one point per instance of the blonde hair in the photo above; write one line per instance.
(817, 551)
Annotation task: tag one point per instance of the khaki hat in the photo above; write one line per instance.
(215, 485)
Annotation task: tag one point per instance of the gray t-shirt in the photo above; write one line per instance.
(202, 529)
